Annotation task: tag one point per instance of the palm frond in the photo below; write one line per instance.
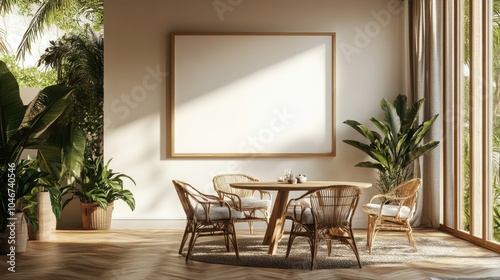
(3, 44)
(6, 6)
(41, 18)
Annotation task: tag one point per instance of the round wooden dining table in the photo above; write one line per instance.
(274, 230)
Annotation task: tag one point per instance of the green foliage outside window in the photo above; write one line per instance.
(29, 77)
(75, 13)
(495, 111)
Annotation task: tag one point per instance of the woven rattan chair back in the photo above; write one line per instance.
(221, 184)
(393, 211)
(332, 209)
(206, 215)
(183, 190)
(408, 189)
(244, 200)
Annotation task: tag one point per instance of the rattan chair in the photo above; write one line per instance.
(328, 216)
(394, 211)
(244, 200)
(206, 215)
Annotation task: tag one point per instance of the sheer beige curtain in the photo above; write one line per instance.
(425, 81)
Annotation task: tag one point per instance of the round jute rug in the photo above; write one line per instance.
(386, 250)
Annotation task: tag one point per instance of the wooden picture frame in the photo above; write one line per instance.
(252, 94)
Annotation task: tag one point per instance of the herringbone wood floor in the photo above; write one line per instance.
(152, 254)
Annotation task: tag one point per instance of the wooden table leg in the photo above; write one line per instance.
(274, 230)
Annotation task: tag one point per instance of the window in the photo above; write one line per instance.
(472, 118)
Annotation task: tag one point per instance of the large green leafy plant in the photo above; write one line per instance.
(98, 183)
(30, 181)
(78, 60)
(397, 146)
(23, 128)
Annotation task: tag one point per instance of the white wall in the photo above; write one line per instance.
(137, 87)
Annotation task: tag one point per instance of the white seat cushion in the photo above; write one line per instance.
(388, 210)
(305, 217)
(255, 203)
(216, 213)
(306, 201)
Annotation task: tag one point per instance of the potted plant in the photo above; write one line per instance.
(97, 188)
(41, 200)
(38, 198)
(399, 144)
(22, 205)
(22, 128)
(78, 59)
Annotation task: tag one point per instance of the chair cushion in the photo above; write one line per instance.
(305, 217)
(388, 210)
(216, 213)
(253, 203)
(306, 201)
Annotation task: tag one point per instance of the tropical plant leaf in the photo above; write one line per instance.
(49, 157)
(419, 151)
(391, 117)
(422, 131)
(392, 121)
(370, 164)
(79, 61)
(401, 106)
(363, 130)
(6, 6)
(128, 197)
(11, 106)
(401, 143)
(31, 123)
(45, 12)
(73, 151)
(45, 109)
(382, 127)
(411, 116)
(98, 183)
(361, 146)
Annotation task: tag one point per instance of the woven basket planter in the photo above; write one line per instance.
(94, 217)
(46, 219)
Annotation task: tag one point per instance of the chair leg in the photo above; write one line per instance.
(329, 245)
(373, 233)
(353, 246)
(192, 241)
(314, 249)
(227, 237)
(184, 238)
(369, 231)
(410, 237)
(291, 238)
(266, 215)
(230, 236)
(250, 225)
(372, 238)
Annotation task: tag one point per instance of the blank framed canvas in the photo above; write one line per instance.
(253, 94)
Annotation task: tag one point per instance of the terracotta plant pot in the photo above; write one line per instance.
(94, 217)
